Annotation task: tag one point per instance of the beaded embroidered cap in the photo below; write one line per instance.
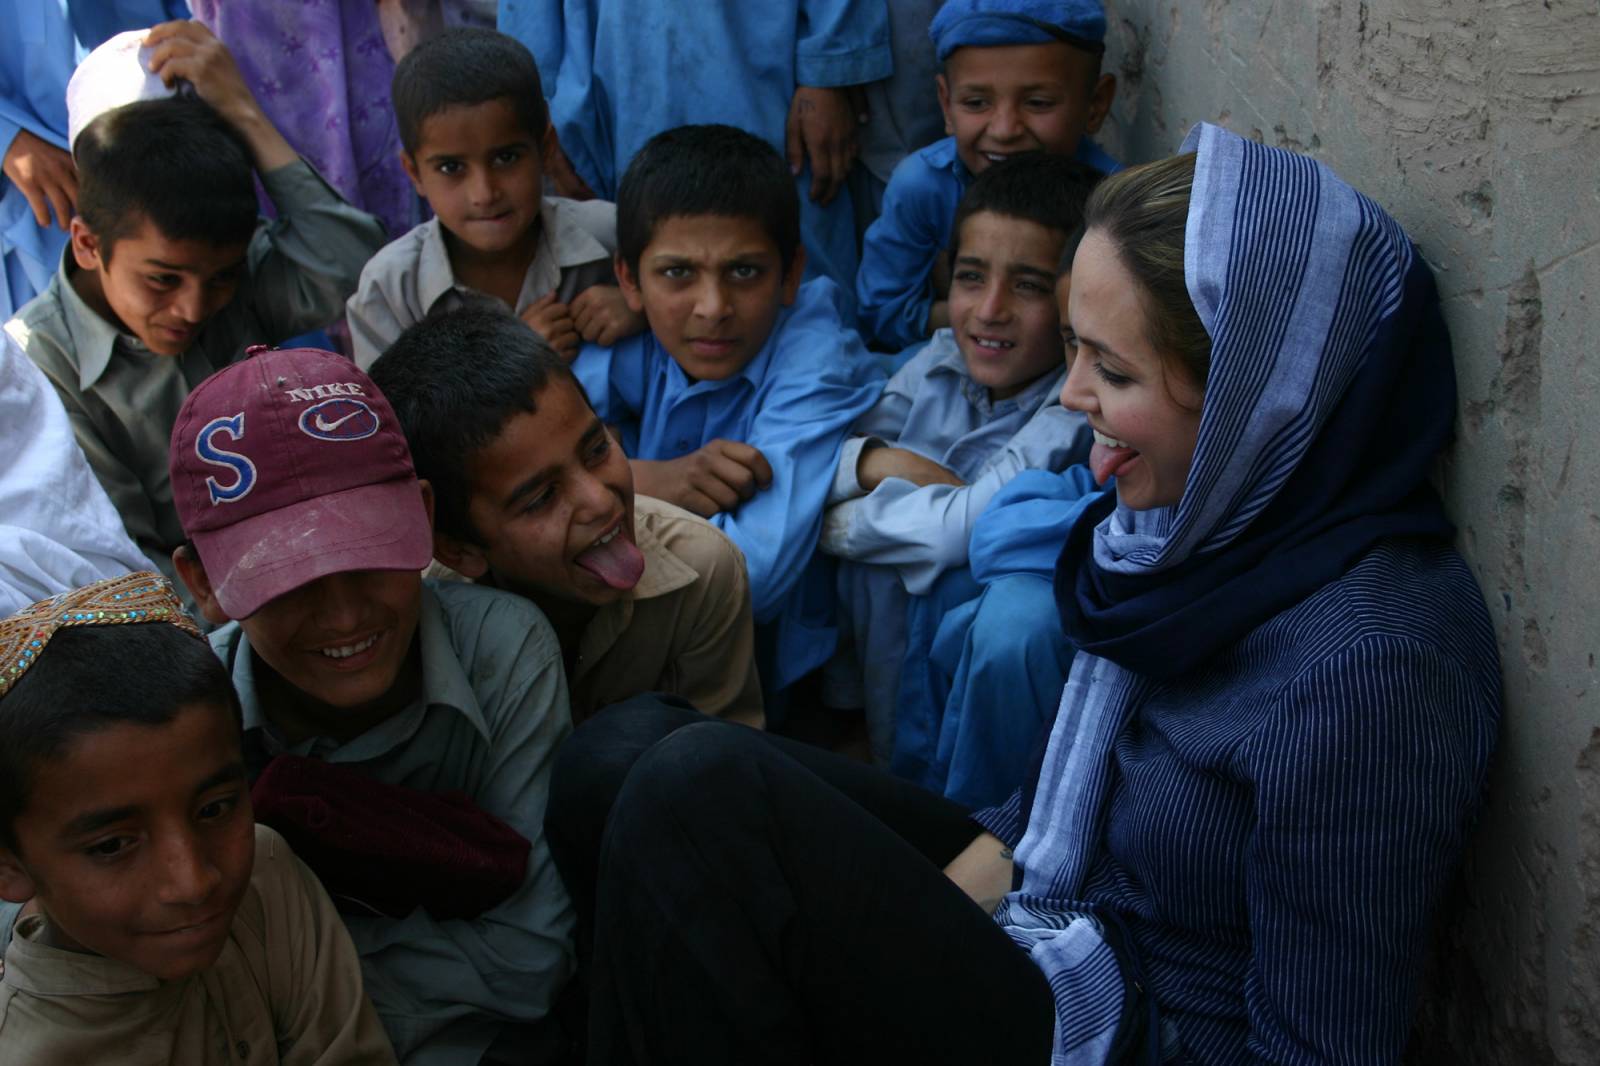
(140, 597)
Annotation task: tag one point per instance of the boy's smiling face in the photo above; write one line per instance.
(552, 502)
(1002, 100)
(138, 841)
(480, 171)
(1003, 303)
(343, 640)
(711, 287)
(159, 289)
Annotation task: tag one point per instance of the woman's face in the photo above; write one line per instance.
(1146, 417)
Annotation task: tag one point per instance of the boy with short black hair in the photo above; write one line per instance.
(147, 910)
(535, 497)
(309, 531)
(975, 407)
(475, 131)
(169, 275)
(735, 404)
(1017, 76)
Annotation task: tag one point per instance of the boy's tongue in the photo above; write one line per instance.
(619, 563)
(1104, 461)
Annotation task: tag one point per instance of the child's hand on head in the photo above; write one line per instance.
(876, 464)
(186, 49)
(552, 320)
(603, 317)
(718, 477)
(45, 175)
(822, 126)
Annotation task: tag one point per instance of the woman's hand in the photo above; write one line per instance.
(983, 871)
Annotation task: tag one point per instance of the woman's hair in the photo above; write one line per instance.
(1143, 211)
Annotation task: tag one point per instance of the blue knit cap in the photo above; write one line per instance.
(988, 23)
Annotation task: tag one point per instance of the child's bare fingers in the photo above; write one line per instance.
(748, 457)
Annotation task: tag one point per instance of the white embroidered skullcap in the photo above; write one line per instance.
(110, 76)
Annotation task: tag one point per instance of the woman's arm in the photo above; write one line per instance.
(1367, 777)
(983, 871)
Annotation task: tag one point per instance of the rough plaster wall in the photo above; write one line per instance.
(1478, 125)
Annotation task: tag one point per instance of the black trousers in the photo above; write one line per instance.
(743, 898)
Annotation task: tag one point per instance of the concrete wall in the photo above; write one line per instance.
(1477, 123)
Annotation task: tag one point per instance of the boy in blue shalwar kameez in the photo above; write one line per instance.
(1018, 75)
(620, 71)
(736, 401)
(976, 406)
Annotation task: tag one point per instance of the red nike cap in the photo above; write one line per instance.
(289, 466)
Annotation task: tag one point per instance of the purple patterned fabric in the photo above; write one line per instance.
(321, 72)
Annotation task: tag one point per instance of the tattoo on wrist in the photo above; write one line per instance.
(1005, 853)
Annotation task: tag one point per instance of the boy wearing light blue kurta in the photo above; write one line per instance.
(1018, 76)
(974, 408)
(617, 72)
(736, 402)
(985, 653)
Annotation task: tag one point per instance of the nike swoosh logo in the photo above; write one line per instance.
(329, 427)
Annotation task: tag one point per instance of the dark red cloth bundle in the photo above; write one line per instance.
(387, 847)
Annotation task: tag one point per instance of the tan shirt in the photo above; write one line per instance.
(286, 990)
(412, 276)
(686, 628)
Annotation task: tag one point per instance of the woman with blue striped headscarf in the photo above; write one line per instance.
(1269, 750)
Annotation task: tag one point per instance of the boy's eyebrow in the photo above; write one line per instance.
(90, 821)
(438, 156)
(597, 427)
(1031, 271)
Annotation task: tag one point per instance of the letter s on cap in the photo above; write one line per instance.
(243, 469)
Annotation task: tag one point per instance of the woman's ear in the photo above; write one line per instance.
(193, 574)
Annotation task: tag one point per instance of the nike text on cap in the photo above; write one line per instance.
(289, 466)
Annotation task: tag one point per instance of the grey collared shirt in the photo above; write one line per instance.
(122, 399)
(412, 276)
(493, 709)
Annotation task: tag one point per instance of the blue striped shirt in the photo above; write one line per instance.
(1279, 823)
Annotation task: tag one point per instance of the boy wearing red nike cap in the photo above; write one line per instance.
(308, 529)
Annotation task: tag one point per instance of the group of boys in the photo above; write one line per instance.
(642, 460)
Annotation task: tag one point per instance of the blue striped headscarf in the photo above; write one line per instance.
(1329, 394)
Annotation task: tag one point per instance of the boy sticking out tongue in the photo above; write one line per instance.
(534, 496)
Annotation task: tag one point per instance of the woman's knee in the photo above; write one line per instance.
(593, 763)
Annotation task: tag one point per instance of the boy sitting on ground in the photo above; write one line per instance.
(532, 495)
(975, 407)
(169, 275)
(156, 920)
(1018, 76)
(309, 531)
(735, 403)
(475, 129)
